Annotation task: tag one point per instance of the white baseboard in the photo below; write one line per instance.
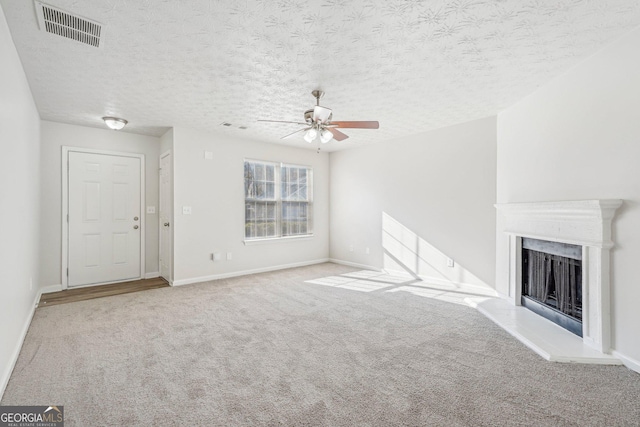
(49, 289)
(354, 264)
(630, 363)
(6, 375)
(152, 275)
(246, 272)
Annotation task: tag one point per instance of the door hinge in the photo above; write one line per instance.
(67, 272)
(67, 217)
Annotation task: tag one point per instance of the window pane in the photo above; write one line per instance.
(271, 211)
(271, 229)
(259, 172)
(271, 175)
(294, 192)
(248, 179)
(271, 191)
(261, 190)
(250, 211)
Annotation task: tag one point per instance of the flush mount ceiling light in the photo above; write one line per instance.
(114, 122)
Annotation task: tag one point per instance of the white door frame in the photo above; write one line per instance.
(160, 225)
(65, 209)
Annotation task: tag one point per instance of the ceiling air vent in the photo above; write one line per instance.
(56, 21)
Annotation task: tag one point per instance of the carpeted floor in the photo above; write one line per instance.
(275, 350)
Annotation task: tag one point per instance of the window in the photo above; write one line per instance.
(278, 200)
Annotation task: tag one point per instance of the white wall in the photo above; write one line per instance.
(19, 198)
(215, 191)
(576, 138)
(166, 141)
(417, 201)
(166, 144)
(54, 137)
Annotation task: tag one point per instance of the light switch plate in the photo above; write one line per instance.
(186, 210)
(151, 209)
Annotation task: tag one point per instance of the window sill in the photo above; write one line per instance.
(277, 239)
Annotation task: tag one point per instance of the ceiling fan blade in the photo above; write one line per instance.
(283, 121)
(357, 125)
(321, 114)
(337, 135)
(293, 133)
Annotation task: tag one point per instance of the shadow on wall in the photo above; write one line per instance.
(405, 251)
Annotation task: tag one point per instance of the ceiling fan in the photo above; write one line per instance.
(319, 124)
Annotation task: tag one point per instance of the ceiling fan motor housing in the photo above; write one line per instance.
(308, 116)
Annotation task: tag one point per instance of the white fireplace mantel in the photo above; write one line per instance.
(586, 223)
(581, 222)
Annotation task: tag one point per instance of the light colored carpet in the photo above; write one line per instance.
(272, 349)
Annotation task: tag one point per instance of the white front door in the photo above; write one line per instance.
(104, 218)
(166, 214)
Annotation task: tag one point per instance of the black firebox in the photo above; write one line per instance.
(552, 282)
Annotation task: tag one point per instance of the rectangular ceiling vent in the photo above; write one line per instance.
(61, 23)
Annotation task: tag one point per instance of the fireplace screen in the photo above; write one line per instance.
(552, 281)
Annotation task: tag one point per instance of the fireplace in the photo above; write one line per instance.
(552, 282)
(585, 224)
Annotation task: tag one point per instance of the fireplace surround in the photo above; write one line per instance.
(586, 223)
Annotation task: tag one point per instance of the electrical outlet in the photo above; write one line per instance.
(229, 256)
(186, 210)
(151, 209)
(450, 262)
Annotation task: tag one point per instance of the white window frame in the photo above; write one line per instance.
(278, 166)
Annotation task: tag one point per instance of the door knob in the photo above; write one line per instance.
(135, 227)
(166, 224)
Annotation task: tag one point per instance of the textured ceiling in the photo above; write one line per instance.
(413, 65)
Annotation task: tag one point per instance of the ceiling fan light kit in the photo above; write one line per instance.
(319, 123)
(326, 136)
(310, 135)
